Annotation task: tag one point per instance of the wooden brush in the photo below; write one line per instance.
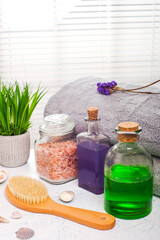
(31, 195)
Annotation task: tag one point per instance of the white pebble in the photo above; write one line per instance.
(66, 196)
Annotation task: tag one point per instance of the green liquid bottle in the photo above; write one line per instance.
(128, 176)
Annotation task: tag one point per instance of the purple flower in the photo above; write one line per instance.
(107, 91)
(104, 85)
(114, 83)
(100, 90)
(98, 84)
(106, 88)
(110, 85)
(103, 90)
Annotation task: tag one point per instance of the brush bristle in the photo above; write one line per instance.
(27, 189)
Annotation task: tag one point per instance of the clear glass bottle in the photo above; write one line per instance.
(128, 175)
(56, 150)
(92, 147)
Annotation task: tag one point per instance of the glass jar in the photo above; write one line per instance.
(92, 147)
(128, 175)
(56, 150)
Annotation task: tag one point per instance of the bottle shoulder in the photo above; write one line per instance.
(84, 136)
(134, 147)
(128, 154)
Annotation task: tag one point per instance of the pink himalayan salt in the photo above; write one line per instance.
(57, 161)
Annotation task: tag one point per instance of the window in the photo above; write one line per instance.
(53, 42)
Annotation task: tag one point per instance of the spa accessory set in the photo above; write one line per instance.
(122, 170)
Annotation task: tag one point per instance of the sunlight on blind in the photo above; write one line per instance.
(53, 42)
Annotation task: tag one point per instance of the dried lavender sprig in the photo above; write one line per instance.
(106, 88)
(110, 87)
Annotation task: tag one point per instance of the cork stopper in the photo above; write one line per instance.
(92, 113)
(128, 127)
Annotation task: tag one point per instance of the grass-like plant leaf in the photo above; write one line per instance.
(16, 107)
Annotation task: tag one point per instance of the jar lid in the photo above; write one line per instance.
(57, 125)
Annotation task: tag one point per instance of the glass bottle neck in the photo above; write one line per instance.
(128, 137)
(93, 127)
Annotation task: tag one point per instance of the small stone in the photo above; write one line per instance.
(16, 215)
(24, 233)
(66, 196)
(3, 175)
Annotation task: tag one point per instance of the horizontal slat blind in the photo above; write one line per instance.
(57, 41)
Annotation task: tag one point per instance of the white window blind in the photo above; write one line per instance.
(53, 42)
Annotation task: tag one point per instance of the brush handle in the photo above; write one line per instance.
(98, 220)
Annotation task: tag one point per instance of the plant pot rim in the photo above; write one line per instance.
(14, 135)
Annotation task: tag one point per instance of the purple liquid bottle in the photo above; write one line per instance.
(92, 148)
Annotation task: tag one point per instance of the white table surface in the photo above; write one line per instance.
(49, 227)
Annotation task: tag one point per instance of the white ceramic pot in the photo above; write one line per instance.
(14, 150)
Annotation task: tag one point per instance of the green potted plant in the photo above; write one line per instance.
(16, 107)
